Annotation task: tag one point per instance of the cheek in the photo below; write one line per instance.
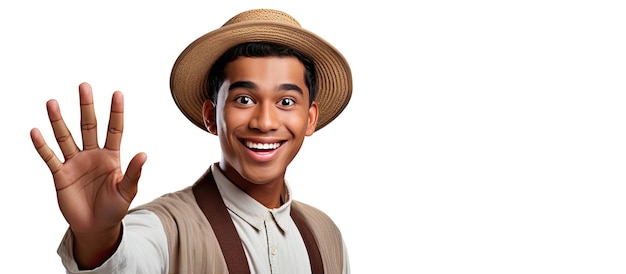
(297, 123)
(231, 119)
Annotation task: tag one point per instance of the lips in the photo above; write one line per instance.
(261, 151)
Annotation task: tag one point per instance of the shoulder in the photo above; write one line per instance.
(169, 201)
(308, 209)
(177, 211)
(174, 209)
(314, 216)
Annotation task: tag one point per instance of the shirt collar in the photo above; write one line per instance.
(249, 209)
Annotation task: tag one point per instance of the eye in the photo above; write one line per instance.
(286, 102)
(244, 100)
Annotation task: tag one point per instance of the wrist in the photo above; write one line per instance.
(94, 248)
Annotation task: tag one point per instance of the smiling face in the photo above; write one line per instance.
(261, 117)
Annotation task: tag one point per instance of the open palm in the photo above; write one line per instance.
(92, 191)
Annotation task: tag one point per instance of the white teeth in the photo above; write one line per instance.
(253, 145)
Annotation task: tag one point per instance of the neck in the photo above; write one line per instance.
(268, 194)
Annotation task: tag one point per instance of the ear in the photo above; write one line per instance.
(312, 121)
(208, 116)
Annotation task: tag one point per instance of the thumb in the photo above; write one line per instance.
(128, 186)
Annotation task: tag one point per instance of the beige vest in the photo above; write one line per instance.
(194, 248)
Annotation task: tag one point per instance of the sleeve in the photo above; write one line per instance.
(346, 261)
(143, 248)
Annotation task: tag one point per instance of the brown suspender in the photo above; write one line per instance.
(210, 202)
(209, 199)
(315, 258)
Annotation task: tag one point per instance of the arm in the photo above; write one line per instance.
(142, 249)
(92, 191)
(92, 249)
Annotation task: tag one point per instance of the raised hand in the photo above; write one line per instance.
(92, 191)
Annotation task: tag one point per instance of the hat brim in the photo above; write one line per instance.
(188, 81)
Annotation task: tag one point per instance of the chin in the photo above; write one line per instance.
(261, 176)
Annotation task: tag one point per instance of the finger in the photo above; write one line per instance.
(116, 122)
(128, 186)
(88, 123)
(48, 156)
(61, 133)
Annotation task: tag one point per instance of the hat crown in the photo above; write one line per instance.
(274, 16)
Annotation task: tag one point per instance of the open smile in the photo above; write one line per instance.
(260, 146)
(262, 151)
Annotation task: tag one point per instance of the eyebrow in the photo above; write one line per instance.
(253, 86)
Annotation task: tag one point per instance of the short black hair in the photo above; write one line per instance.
(259, 49)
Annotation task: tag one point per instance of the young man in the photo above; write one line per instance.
(260, 83)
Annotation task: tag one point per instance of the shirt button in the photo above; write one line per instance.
(274, 250)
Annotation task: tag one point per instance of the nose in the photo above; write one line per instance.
(265, 118)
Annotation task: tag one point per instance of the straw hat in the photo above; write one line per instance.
(191, 69)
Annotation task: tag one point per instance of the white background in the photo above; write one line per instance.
(482, 136)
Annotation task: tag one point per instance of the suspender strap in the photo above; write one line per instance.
(209, 199)
(315, 258)
(210, 202)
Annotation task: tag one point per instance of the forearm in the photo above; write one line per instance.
(142, 248)
(93, 249)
